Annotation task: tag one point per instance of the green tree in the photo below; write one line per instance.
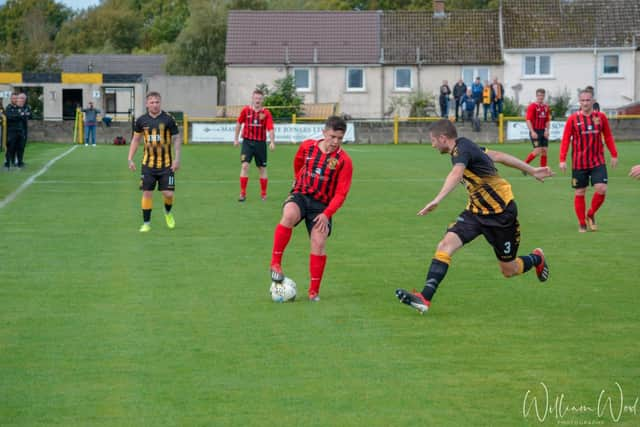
(510, 108)
(421, 104)
(199, 49)
(560, 104)
(27, 32)
(283, 95)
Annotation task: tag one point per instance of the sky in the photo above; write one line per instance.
(79, 4)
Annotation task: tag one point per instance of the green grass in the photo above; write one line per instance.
(100, 325)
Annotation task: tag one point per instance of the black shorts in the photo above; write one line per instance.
(541, 141)
(251, 149)
(163, 177)
(309, 209)
(580, 177)
(502, 230)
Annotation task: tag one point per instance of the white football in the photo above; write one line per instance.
(283, 292)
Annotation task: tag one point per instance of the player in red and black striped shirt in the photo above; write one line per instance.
(538, 121)
(585, 131)
(256, 122)
(323, 173)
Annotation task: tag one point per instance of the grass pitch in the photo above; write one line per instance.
(102, 325)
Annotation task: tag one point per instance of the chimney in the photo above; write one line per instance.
(438, 8)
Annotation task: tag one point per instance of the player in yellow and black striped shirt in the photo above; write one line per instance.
(159, 133)
(491, 212)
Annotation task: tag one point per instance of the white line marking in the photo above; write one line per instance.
(11, 197)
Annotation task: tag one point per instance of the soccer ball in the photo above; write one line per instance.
(283, 292)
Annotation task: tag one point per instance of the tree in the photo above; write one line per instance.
(283, 95)
(199, 49)
(27, 31)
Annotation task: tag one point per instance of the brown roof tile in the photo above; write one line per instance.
(269, 37)
(570, 23)
(460, 37)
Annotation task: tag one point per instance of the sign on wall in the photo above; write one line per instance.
(224, 132)
(519, 131)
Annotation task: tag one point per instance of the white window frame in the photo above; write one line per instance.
(536, 73)
(475, 71)
(395, 79)
(603, 73)
(309, 84)
(364, 81)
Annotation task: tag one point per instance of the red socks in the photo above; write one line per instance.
(281, 237)
(530, 157)
(596, 202)
(579, 205)
(263, 187)
(244, 180)
(316, 270)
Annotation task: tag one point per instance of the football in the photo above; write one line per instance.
(283, 292)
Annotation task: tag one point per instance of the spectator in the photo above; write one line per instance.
(476, 91)
(497, 97)
(468, 105)
(486, 99)
(445, 93)
(458, 91)
(26, 116)
(90, 122)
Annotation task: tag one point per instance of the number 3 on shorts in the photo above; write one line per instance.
(507, 247)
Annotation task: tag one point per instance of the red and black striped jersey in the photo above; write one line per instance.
(255, 123)
(156, 135)
(539, 115)
(489, 193)
(585, 132)
(324, 176)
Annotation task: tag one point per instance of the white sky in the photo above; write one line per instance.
(79, 4)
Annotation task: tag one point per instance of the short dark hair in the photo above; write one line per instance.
(444, 127)
(153, 94)
(541, 90)
(336, 123)
(258, 92)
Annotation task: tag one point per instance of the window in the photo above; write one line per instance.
(611, 64)
(302, 79)
(403, 79)
(469, 74)
(539, 65)
(355, 79)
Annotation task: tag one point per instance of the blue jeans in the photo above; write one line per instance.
(90, 131)
(497, 109)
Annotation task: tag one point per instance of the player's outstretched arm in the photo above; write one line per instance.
(508, 160)
(452, 180)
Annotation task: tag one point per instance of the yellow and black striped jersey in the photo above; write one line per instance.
(156, 135)
(489, 193)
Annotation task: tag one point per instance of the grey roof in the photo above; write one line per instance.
(279, 37)
(570, 23)
(457, 37)
(147, 65)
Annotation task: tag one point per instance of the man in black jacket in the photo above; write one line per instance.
(26, 115)
(15, 115)
(459, 89)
